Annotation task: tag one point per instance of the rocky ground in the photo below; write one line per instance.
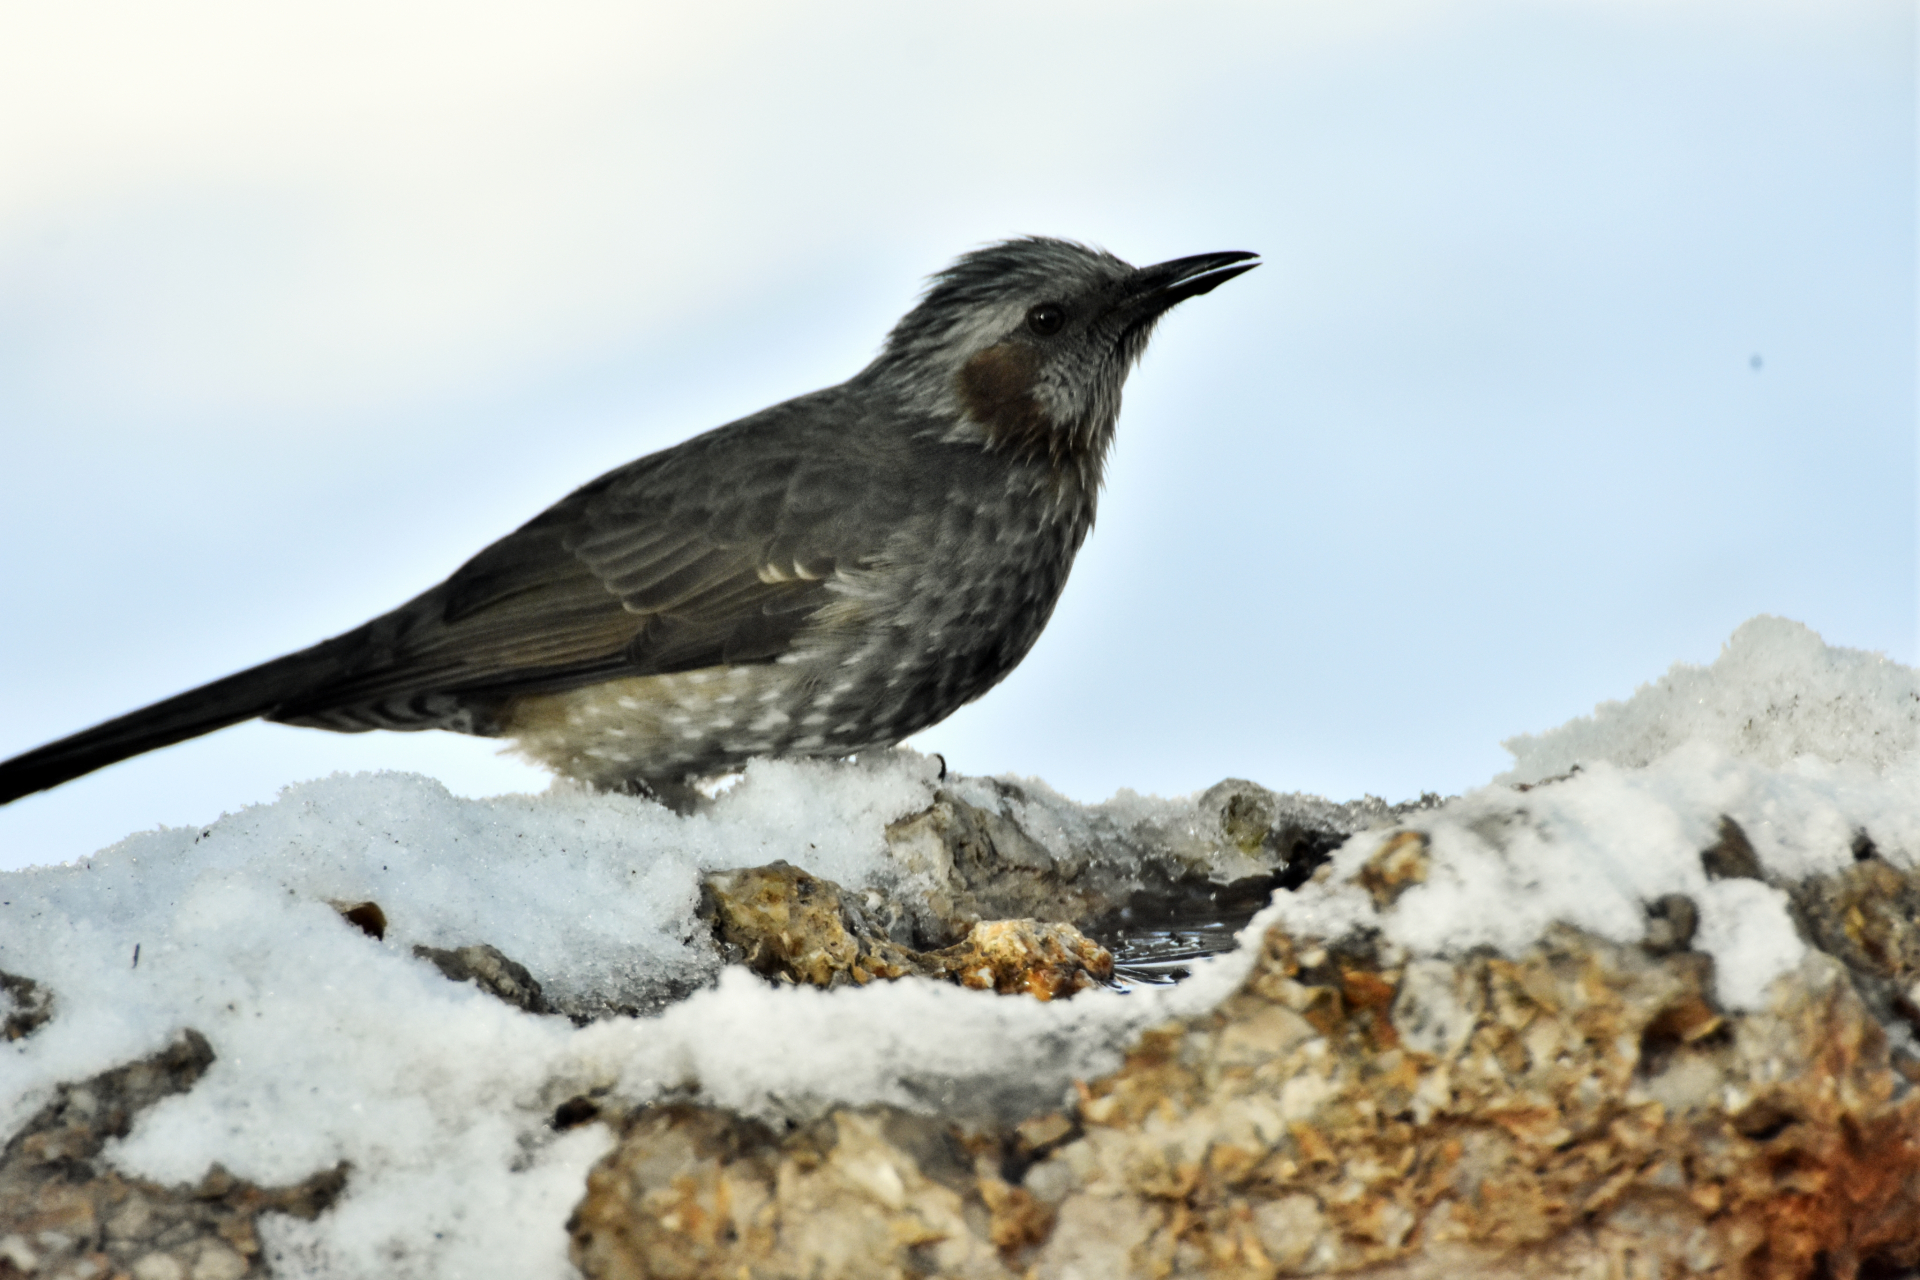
(1585, 1107)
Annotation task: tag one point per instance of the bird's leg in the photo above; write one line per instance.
(677, 794)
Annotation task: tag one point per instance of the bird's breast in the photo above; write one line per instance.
(949, 603)
(958, 600)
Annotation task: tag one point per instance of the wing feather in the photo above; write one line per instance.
(716, 551)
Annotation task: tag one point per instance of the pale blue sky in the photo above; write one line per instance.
(1586, 331)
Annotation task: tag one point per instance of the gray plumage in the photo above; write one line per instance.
(826, 576)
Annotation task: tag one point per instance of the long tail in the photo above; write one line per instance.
(243, 696)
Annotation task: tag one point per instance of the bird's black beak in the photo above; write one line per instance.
(1149, 291)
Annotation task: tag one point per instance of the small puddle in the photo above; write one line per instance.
(1160, 957)
(1155, 943)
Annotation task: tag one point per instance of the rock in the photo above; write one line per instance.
(990, 850)
(981, 864)
(1672, 920)
(65, 1212)
(1346, 1112)
(367, 917)
(693, 1192)
(1868, 917)
(785, 924)
(25, 1006)
(1030, 956)
(1294, 833)
(1356, 1111)
(1398, 865)
(793, 927)
(490, 970)
(1732, 856)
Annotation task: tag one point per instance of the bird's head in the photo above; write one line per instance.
(1023, 346)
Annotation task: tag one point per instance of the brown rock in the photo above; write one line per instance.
(1396, 866)
(1867, 917)
(783, 923)
(790, 926)
(1547, 1115)
(691, 1192)
(1039, 959)
(1732, 856)
(25, 1006)
(367, 917)
(1672, 920)
(490, 970)
(66, 1212)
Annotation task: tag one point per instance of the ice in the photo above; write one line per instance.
(334, 1045)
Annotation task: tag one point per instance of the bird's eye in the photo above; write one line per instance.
(1047, 318)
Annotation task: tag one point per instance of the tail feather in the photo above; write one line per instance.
(242, 696)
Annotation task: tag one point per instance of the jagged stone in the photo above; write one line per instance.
(693, 1192)
(1003, 860)
(1732, 856)
(367, 917)
(65, 1214)
(489, 969)
(790, 926)
(1398, 865)
(1346, 1112)
(1032, 957)
(1672, 920)
(25, 1006)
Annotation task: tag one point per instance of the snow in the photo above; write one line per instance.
(332, 1045)
(1806, 747)
(1592, 852)
(1777, 693)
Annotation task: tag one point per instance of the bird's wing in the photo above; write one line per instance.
(714, 552)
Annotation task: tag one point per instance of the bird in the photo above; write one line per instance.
(822, 578)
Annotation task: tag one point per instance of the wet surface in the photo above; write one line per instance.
(1155, 941)
(1158, 957)
(1155, 944)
